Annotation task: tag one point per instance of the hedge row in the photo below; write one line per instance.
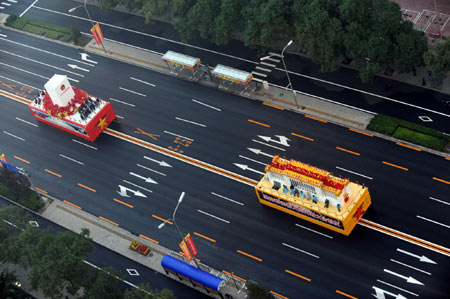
(40, 28)
(408, 131)
(30, 200)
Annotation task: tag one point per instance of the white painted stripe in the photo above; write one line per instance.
(6, 3)
(259, 74)
(275, 54)
(364, 176)
(25, 71)
(21, 15)
(87, 145)
(403, 239)
(268, 64)
(137, 186)
(92, 265)
(191, 122)
(215, 217)
(73, 160)
(135, 92)
(138, 80)
(151, 170)
(72, 79)
(12, 135)
(432, 221)
(244, 157)
(42, 63)
(306, 252)
(12, 1)
(229, 199)
(438, 200)
(15, 81)
(47, 52)
(122, 102)
(314, 231)
(1, 7)
(118, 116)
(406, 265)
(167, 132)
(263, 69)
(270, 145)
(273, 59)
(256, 79)
(396, 287)
(27, 122)
(206, 105)
(2, 35)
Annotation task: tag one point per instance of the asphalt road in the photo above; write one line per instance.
(342, 86)
(349, 264)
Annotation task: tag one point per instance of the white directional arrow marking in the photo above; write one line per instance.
(245, 167)
(147, 180)
(421, 258)
(75, 67)
(85, 56)
(259, 152)
(379, 294)
(409, 279)
(123, 192)
(283, 140)
(161, 163)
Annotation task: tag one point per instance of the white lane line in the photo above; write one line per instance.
(306, 252)
(170, 133)
(191, 122)
(314, 231)
(132, 78)
(6, 3)
(47, 52)
(432, 221)
(396, 287)
(87, 145)
(27, 122)
(118, 116)
(135, 92)
(215, 217)
(229, 199)
(438, 200)
(15, 81)
(137, 186)
(42, 63)
(364, 176)
(12, 135)
(28, 8)
(12, 1)
(73, 160)
(406, 265)
(244, 157)
(122, 102)
(151, 170)
(25, 71)
(3, 35)
(206, 105)
(270, 145)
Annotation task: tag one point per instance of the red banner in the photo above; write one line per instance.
(191, 245)
(96, 37)
(185, 250)
(99, 32)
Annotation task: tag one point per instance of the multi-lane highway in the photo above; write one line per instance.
(291, 257)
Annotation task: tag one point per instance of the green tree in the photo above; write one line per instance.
(154, 8)
(184, 22)
(256, 291)
(410, 47)
(109, 4)
(438, 58)
(145, 292)
(227, 22)
(103, 284)
(7, 289)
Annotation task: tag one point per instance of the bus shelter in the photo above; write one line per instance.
(232, 77)
(178, 62)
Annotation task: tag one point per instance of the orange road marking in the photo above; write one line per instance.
(73, 205)
(348, 151)
(152, 136)
(23, 160)
(258, 123)
(235, 276)
(107, 220)
(301, 136)
(147, 238)
(315, 118)
(361, 132)
(346, 295)
(14, 97)
(124, 203)
(182, 253)
(441, 180)
(279, 295)
(162, 219)
(249, 255)
(273, 106)
(205, 237)
(298, 275)
(40, 190)
(86, 187)
(54, 173)
(393, 165)
(410, 147)
(447, 158)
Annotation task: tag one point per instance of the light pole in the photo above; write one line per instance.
(89, 16)
(176, 226)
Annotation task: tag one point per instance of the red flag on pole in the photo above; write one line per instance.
(185, 250)
(191, 245)
(96, 37)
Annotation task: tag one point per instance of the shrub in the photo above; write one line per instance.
(420, 138)
(256, 291)
(10, 19)
(75, 34)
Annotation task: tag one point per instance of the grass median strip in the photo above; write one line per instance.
(249, 255)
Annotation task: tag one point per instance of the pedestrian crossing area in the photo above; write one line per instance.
(7, 3)
(266, 65)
